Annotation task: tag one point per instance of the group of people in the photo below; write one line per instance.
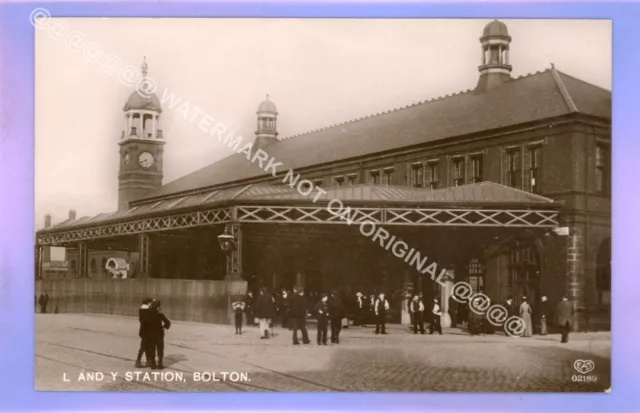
(330, 312)
(478, 323)
(293, 312)
(374, 310)
(152, 325)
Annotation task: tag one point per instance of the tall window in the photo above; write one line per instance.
(417, 174)
(514, 175)
(93, 266)
(458, 171)
(352, 179)
(534, 168)
(374, 177)
(338, 181)
(602, 169)
(524, 269)
(387, 176)
(476, 168)
(432, 175)
(476, 275)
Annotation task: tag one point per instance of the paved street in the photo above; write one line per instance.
(70, 344)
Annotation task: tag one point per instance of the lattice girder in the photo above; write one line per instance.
(146, 225)
(455, 217)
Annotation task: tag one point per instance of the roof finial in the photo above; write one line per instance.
(144, 66)
(267, 96)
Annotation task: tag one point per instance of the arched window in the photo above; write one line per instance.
(103, 267)
(93, 265)
(603, 272)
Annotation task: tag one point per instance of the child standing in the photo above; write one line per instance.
(238, 309)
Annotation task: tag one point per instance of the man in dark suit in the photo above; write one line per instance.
(380, 308)
(43, 301)
(565, 313)
(248, 308)
(156, 324)
(321, 310)
(265, 311)
(298, 316)
(142, 331)
(336, 311)
(416, 309)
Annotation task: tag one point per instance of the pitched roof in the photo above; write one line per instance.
(483, 194)
(531, 98)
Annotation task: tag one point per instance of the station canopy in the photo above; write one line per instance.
(484, 204)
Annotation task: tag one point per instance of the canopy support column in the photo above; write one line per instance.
(83, 260)
(143, 249)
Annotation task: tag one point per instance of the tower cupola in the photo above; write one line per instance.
(266, 131)
(494, 65)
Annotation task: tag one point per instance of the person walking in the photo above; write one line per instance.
(336, 313)
(284, 309)
(43, 301)
(157, 323)
(371, 313)
(435, 314)
(525, 314)
(238, 309)
(321, 310)
(248, 308)
(416, 309)
(544, 314)
(264, 311)
(565, 313)
(360, 310)
(380, 308)
(298, 316)
(143, 316)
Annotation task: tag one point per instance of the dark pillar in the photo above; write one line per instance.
(83, 260)
(39, 254)
(575, 272)
(234, 258)
(143, 250)
(234, 269)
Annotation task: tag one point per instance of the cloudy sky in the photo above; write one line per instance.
(318, 72)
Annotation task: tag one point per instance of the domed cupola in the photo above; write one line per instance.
(266, 131)
(494, 68)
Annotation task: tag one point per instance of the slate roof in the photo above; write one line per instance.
(536, 97)
(483, 194)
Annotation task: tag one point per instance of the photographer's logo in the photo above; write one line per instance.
(584, 366)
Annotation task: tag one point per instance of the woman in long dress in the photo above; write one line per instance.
(525, 314)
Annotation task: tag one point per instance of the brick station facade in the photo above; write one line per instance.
(509, 144)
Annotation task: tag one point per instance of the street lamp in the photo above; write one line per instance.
(228, 243)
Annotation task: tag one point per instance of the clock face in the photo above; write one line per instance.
(145, 159)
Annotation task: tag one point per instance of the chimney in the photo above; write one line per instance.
(47, 221)
(72, 214)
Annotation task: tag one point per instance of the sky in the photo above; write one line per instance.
(318, 72)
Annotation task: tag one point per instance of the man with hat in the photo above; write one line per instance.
(298, 315)
(380, 308)
(336, 311)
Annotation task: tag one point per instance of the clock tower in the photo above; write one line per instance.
(141, 145)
